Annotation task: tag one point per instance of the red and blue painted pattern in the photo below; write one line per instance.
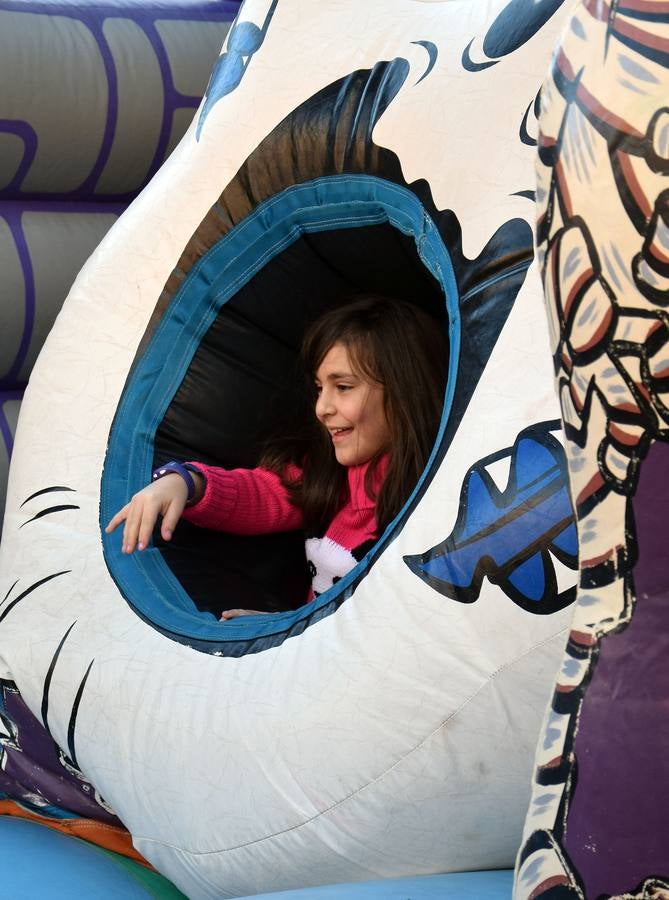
(596, 826)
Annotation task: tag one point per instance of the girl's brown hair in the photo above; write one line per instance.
(399, 346)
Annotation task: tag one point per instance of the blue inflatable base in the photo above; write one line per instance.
(457, 886)
(38, 862)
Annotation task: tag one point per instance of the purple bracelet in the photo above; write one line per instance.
(178, 469)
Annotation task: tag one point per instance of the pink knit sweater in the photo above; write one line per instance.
(254, 501)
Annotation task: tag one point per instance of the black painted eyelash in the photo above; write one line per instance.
(27, 591)
(50, 510)
(47, 490)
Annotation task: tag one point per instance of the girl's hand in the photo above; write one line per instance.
(165, 497)
(233, 613)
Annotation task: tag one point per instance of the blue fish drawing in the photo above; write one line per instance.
(508, 536)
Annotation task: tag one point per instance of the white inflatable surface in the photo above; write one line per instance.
(394, 735)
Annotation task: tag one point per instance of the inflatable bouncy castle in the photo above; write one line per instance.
(387, 728)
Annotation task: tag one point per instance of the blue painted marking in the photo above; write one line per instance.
(244, 39)
(432, 53)
(530, 579)
(567, 541)
(507, 535)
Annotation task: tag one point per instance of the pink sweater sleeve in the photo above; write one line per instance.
(244, 501)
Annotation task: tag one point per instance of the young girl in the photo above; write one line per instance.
(378, 370)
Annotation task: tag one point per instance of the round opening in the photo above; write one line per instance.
(219, 376)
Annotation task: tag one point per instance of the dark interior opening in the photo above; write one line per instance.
(244, 385)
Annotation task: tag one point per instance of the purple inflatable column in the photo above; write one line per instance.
(598, 825)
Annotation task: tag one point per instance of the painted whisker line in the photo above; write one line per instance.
(5, 598)
(29, 590)
(523, 133)
(49, 510)
(73, 715)
(49, 676)
(48, 490)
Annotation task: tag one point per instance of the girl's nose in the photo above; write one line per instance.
(323, 404)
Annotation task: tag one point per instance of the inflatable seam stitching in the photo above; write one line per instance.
(378, 778)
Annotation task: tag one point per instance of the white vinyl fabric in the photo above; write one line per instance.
(395, 736)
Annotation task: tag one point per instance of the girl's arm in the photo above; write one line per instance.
(244, 501)
(241, 501)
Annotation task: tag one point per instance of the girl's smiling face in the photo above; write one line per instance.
(351, 408)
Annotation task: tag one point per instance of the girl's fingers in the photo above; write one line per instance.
(131, 529)
(116, 520)
(167, 497)
(146, 525)
(233, 613)
(170, 518)
(135, 530)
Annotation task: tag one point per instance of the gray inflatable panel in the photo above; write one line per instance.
(94, 94)
(10, 403)
(41, 252)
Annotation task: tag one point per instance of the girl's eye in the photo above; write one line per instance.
(318, 389)
(344, 387)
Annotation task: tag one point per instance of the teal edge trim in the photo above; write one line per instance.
(325, 204)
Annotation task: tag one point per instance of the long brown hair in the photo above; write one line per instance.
(399, 346)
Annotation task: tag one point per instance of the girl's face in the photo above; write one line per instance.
(351, 409)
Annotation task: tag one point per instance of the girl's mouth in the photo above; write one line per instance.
(338, 433)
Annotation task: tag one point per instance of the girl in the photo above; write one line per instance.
(378, 370)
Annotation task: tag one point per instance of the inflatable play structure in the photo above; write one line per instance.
(384, 732)
(94, 98)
